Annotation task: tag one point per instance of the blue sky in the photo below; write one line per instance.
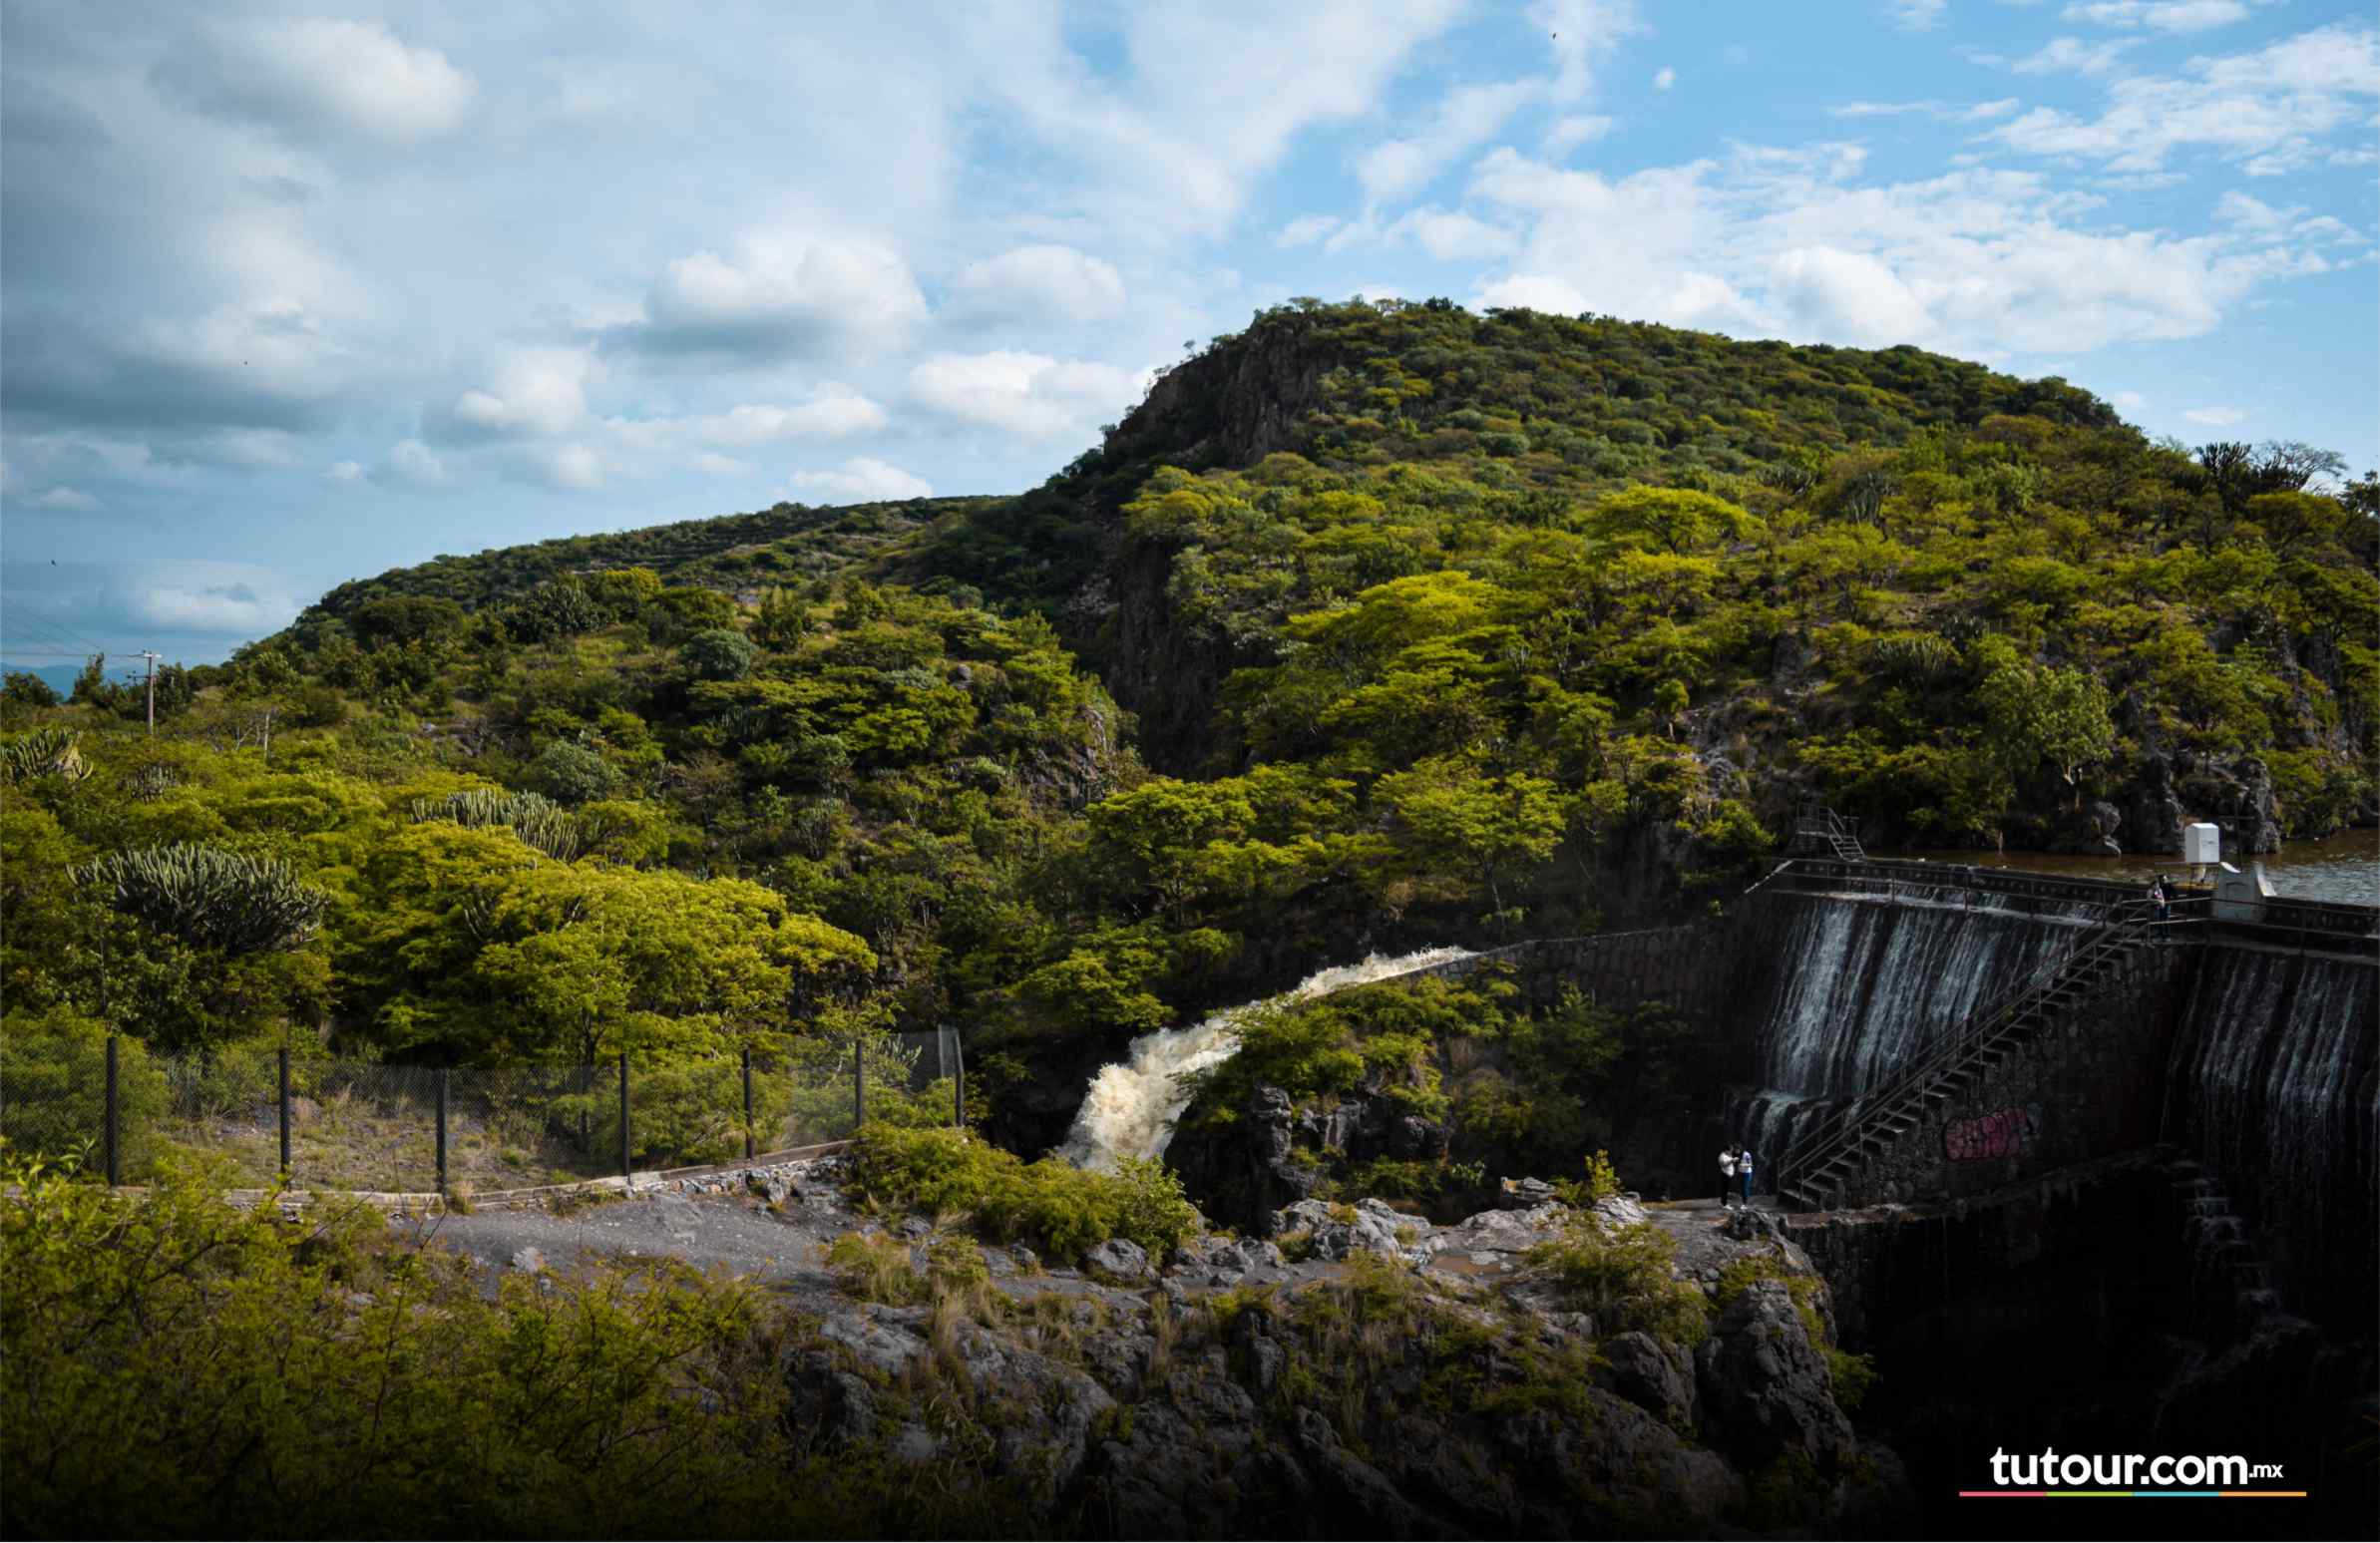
(290, 294)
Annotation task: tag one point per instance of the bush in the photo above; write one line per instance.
(1056, 1208)
(576, 773)
(1625, 1278)
(717, 654)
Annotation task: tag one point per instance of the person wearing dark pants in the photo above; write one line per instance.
(1744, 1168)
(1726, 1175)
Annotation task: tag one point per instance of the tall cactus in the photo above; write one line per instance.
(209, 898)
(43, 753)
(536, 819)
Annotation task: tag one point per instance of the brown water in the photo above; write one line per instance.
(2345, 868)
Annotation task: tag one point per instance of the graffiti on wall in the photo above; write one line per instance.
(2002, 1133)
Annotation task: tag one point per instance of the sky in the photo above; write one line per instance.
(297, 293)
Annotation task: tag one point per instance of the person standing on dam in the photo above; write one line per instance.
(1726, 1176)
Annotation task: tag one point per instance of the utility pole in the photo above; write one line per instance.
(151, 655)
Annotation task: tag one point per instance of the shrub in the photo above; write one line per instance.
(576, 773)
(1053, 1206)
(717, 654)
(1625, 1278)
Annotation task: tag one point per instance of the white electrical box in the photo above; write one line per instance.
(2201, 843)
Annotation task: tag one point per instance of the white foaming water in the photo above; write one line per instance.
(1133, 1103)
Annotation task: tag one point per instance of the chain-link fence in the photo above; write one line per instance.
(116, 1111)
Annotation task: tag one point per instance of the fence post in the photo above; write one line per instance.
(114, 1127)
(748, 1103)
(957, 1079)
(442, 1130)
(626, 1169)
(284, 1061)
(859, 1082)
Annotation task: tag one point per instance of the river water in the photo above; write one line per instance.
(2344, 867)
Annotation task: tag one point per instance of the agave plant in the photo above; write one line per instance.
(209, 898)
(536, 819)
(43, 753)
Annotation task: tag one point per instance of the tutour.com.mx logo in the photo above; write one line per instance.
(2052, 1473)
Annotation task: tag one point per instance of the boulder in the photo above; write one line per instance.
(1118, 1259)
(1656, 1377)
(1766, 1388)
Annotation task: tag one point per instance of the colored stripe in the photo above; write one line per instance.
(2132, 1494)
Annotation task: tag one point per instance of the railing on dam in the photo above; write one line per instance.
(2283, 919)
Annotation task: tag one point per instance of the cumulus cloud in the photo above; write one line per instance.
(344, 471)
(1396, 168)
(1664, 78)
(536, 391)
(781, 297)
(1045, 283)
(1025, 394)
(313, 76)
(411, 464)
(2074, 56)
(2268, 110)
(2159, 15)
(1307, 229)
(1915, 15)
(1772, 242)
(74, 499)
(861, 480)
(1576, 128)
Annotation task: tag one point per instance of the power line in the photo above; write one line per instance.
(52, 623)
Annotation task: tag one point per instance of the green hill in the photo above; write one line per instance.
(1435, 627)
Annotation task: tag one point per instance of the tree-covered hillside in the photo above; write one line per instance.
(1435, 627)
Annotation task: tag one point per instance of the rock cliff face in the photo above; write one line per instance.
(1383, 1378)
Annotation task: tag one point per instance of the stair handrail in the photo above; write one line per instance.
(2119, 923)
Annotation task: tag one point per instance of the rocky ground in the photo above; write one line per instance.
(1365, 1373)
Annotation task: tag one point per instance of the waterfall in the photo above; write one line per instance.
(1131, 1107)
(2275, 1081)
(1868, 982)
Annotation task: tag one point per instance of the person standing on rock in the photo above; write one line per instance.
(1726, 1176)
(1744, 1167)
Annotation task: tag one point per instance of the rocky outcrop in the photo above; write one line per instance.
(1386, 1378)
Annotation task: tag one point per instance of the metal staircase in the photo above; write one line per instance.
(1817, 827)
(1816, 1169)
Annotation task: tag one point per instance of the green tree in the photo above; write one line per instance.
(717, 654)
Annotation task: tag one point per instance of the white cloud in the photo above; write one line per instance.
(1043, 283)
(2239, 210)
(1025, 394)
(69, 499)
(1881, 109)
(1451, 236)
(2216, 417)
(780, 297)
(1397, 168)
(1307, 229)
(273, 351)
(1793, 243)
(1983, 110)
(1915, 15)
(575, 467)
(1576, 128)
(536, 391)
(413, 463)
(2159, 15)
(1664, 78)
(2074, 56)
(312, 75)
(1852, 295)
(862, 480)
(233, 609)
(344, 471)
(2130, 402)
(2266, 110)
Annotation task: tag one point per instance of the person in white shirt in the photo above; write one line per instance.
(1726, 1176)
